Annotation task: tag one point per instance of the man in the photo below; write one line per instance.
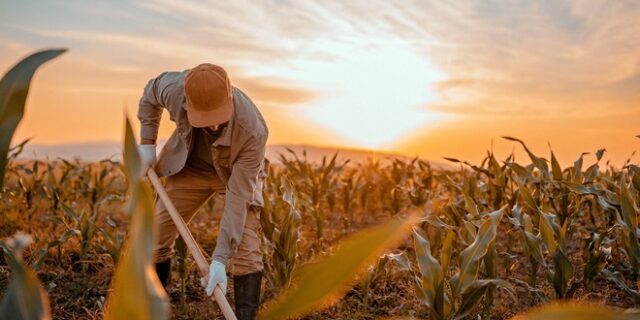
(217, 147)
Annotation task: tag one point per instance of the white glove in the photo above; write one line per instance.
(147, 155)
(217, 276)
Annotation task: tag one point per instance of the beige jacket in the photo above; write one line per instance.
(238, 154)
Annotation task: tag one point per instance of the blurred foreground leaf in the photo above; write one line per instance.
(24, 298)
(321, 282)
(574, 311)
(14, 88)
(137, 292)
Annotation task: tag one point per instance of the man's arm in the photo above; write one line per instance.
(239, 195)
(150, 110)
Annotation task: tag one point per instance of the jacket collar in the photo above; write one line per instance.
(225, 138)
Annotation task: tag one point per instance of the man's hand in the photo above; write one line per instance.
(147, 155)
(217, 276)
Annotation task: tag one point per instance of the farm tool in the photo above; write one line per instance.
(194, 248)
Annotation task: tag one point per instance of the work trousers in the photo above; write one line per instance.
(189, 190)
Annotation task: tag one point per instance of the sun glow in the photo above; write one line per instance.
(376, 91)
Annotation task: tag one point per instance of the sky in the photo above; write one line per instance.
(420, 78)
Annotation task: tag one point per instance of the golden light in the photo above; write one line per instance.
(376, 91)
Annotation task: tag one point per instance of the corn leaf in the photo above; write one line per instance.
(432, 276)
(471, 256)
(526, 196)
(619, 280)
(563, 273)
(573, 311)
(14, 88)
(137, 292)
(476, 290)
(538, 162)
(547, 231)
(470, 206)
(24, 299)
(577, 169)
(555, 168)
(321, 282)
(534, 247)
(447, 250)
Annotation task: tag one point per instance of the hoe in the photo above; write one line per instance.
(194, 248)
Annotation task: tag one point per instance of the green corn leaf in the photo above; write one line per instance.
(476, 290)
(636, 181)
(555, 168)
(471, 256)
(401, 260)
(519, 170)
(547, 232)
(491, 261)
(577, 169)
(432, 275)
(630, 225)
(573, 311)
(563, 273)
(618, 279)
(136, 290)
(447, 250)
(435, 221)
(468, 232)
(322, 282)
(24, 298)
(534, 247)
(470, 206)
(629, 212)
(538, 162)
(526, 196)
(14, 88)
(591, 173)
(132, 162)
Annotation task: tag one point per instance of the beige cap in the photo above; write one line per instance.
(209, 96)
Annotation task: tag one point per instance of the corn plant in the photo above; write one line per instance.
(628, 221)
(554, 237)
(280, 220)
(137, 292)
(24, 298)
(348, 189)
(317, 182)
(114, 240)
(323, 281)
(14, 88)
(466, 288)
(596, 251)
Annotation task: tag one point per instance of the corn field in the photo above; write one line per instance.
(341, 240)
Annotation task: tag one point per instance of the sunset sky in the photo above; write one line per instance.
(426, 78)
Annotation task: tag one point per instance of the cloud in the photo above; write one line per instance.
(562, 61)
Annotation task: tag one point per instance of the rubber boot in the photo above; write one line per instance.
(163, 269)
(246, 289)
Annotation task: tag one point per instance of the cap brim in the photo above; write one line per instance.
(219, 115)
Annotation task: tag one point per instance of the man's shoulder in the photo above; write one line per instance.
(248, 117)
(172, 79)
(171, 89)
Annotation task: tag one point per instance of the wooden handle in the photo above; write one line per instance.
(194, 248)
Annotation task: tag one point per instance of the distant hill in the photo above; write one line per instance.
(96, 151)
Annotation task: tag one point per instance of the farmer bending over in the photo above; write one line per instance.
(217, 147)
